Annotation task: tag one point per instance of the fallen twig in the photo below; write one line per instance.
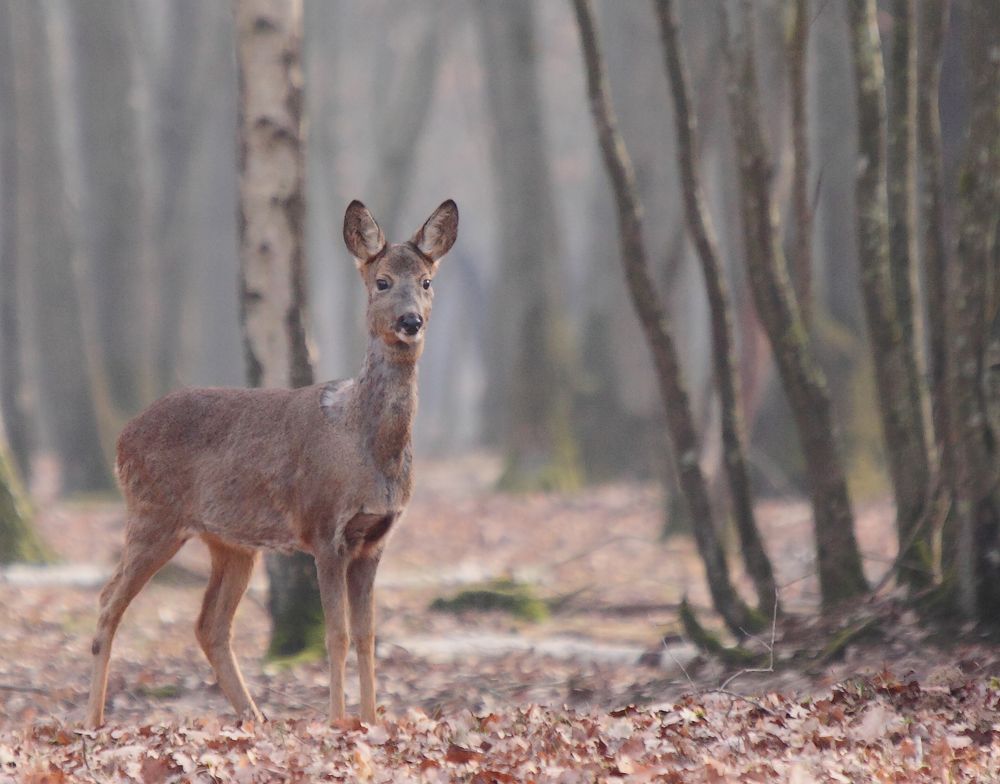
(25, 689)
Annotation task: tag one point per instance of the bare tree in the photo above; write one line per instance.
(933, 18)
(271, 214)
(111, 193)
(702, 232)
(14, 401)
(656, 325)
(892, 350)
(529, 403)
(402, 114)
(975, 337)
(55, 356)
(798, 45)
(839, 561)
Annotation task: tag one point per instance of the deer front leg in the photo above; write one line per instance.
(360, 584)
(332, 572)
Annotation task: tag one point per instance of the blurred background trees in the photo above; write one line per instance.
(120, 247)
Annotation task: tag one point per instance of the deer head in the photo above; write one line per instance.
(398, 277)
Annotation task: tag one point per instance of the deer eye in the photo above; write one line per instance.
(427, 283)
(382, 284)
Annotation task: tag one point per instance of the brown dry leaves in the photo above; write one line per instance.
(869, 729)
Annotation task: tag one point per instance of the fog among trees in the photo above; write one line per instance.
(802, 197)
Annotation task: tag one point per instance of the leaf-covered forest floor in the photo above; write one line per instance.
(604, 688)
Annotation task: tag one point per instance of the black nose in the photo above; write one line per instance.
(411, 323)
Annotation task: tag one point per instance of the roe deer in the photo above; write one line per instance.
(324, 469)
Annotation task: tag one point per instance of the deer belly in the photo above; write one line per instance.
(366, 532)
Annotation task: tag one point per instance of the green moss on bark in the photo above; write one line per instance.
(298, 627)
(18, 540)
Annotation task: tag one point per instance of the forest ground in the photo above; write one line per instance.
(483, 696)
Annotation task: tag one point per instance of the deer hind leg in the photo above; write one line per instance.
(231, 570)
(360, 591)
(331, 570)
(147, 548)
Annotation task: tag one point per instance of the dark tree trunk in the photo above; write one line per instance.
(702, 233)
(975, 337)
(655, 323)
(271, 212)
(893, 351)
(529, 395)
(839, 561)
(802, 210)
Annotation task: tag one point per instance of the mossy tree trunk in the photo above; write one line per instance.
(901, 161)
(839, 561)
(932, 22)
(18, 540)
(656, 326)
(529, 392)
(975, 337)
(271, 216)
(893, 350)
(702, 231)
(13, 400)
(797, 50)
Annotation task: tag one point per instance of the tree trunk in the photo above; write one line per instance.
(13, 398)
(975, 337)
(932, 24)
(103, 71)
(186, 99)
(272, 299)
(839, 561)
(893, 351)
(798, 45)
(402, 114)
(18, 541)
(655, 323)
(63, 97)
(56, 365)
(702, 232)
(529, 400)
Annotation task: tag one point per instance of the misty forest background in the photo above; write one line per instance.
(119, 245)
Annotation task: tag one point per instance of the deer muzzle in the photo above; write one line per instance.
(410, 324)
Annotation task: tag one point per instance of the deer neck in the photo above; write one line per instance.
(386, 400)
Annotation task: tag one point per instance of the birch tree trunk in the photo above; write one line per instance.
(893, 351)
(702, 232)
(838, 558)
(271, 233)
(656, 325)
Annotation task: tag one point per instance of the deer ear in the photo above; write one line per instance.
(361, 233)
(436, 237)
